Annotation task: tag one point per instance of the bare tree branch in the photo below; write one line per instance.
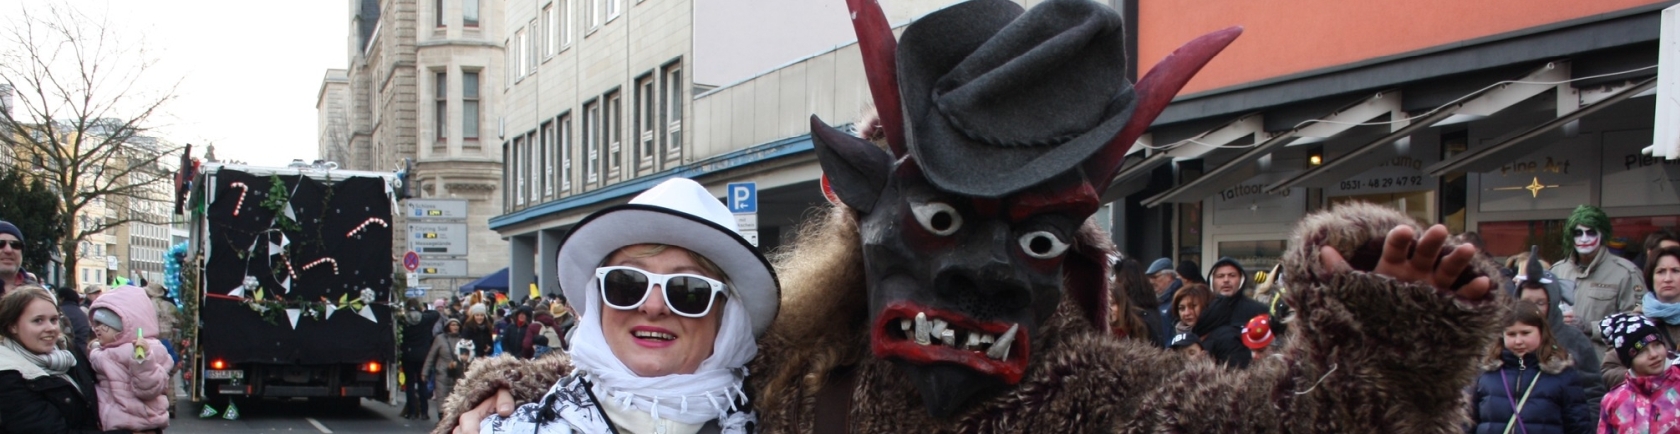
(84, 105)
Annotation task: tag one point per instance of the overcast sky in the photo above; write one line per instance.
(249, 71)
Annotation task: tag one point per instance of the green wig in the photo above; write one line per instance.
(1589, 216)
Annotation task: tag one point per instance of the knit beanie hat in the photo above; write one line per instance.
(478, 309)
(108, 318)
(1629, 334)
(1185, 339)
(1257, 333)
(9, 228)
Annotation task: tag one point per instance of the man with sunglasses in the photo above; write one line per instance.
(1598, 283)
(12, 274)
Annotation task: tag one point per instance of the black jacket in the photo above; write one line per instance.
(50, 404)
(417, 337)
(1555, 406)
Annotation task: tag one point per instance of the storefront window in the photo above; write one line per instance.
(1253, 255)
(1509, 238)
(1419, 205)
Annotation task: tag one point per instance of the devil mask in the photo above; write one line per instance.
(1004, 127)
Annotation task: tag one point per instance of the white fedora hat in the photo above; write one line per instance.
(678, 212)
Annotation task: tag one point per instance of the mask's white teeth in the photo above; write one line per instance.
(1000, 350)
(948, 337)
(987, 339)
(922, 336)
(904, 324)
(939, 327)
(972, 342)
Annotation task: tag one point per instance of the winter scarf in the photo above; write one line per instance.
(56, 363)
(1668, 313)
(695, 398)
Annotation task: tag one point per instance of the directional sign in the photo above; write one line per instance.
(411, 261)
(442, 268)
(436, 208)
(427, 239)
(743, 197)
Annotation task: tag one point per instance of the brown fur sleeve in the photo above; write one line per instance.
(528, 380)
(1366, 353)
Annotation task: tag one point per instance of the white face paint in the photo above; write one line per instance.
(1586, 239)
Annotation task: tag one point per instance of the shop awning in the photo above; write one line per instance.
(1245, 166)
(1473, 159)
(1481, 104)
(497, 281)
(1134, 175)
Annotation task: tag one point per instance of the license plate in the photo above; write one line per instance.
(226, 374)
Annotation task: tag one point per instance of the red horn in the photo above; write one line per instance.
(1154, 92)
(880, 65)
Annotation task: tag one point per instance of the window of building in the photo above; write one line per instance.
(519, 170)
(469, 13)
(593, 14)
(531, 52)
(437, 9)
(532, 153)
(675, 95)
(612, 9)
(549, 30)
(469, 107)
(591, 143)
(507, 177)
(563, 36)
(518, 53)
(645, 116)
(547, 163)
(565, 154)
(612, 126)
(507, 64)
(441, 107)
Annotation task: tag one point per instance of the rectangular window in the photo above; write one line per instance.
(437, 9)
(507, 177)
(549, 30)
(469, 106)
(593, 14)
(469, 12)
(507, 64)
(564, 34)
(591, 143)
(547, 163)
(612, 9)
(612, 124)
(531, 52)
(533, 170)
(565, 154)
(441, 117)
(519, 170)
(645, 117)
(675, 95)
(518, 64)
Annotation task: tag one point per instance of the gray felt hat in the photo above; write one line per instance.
(996, 99)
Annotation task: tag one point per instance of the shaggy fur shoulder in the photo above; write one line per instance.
(527, 379)
(1559, 362)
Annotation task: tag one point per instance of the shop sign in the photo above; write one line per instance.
(1248, 203)
(1632, 178)
(1556, 177)
(1400, 174)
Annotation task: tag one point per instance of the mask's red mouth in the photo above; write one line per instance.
(924, 335)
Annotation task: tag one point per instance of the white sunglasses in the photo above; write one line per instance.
(626, 288)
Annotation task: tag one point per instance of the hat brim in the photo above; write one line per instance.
(752, 282)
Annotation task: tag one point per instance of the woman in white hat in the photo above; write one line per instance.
(671, 300)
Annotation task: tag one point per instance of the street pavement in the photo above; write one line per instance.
(301, 417)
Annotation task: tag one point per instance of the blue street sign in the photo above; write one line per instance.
(743, 197)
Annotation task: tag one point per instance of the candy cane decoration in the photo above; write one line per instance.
(289, 270)
(242, 190)
(334, 262)
(364, 225)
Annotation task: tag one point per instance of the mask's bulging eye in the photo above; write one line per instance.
(938, 218)
(1042, 245)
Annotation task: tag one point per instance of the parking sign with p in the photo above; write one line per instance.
(743, 197)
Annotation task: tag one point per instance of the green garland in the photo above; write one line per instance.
(190, 295)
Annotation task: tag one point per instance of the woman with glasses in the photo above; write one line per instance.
(671, 300)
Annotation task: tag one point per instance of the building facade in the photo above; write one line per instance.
(1497, 126)
(418, 88)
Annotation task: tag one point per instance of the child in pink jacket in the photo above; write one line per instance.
(132, 364)
(1649, 402)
